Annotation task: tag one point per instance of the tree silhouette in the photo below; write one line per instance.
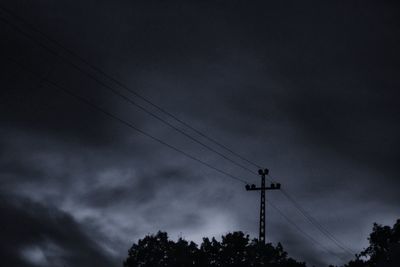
(383, 249)
(235, 249)
(158, 250)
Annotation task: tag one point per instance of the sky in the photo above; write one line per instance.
(308, 89)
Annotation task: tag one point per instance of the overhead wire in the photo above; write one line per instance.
(291, 222)
(126, 98)
(135, 93)
(316, 224)
(120, 120)
(130, 125)
(309, 217)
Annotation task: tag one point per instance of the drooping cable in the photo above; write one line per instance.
(122, 121)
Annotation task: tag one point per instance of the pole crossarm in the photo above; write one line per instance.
(272, 187)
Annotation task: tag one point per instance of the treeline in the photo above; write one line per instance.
(238, 250)
(235, 249)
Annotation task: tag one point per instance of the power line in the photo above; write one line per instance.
(274, 186)
(291, 222)
(311, 219)
(128, 99)
(135, 93)
(126, 123)
(130, 125)
(100, 109)
(315, 223)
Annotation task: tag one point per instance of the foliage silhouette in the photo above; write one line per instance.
(383, 249)
(235, 249)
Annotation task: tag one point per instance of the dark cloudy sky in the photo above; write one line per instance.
(308, 89)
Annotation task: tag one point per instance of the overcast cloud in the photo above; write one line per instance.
(306, 89)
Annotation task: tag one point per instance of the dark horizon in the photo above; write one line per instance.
(306, 89)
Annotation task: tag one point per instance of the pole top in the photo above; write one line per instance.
(263, 172)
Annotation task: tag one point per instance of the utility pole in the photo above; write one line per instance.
(253, 187)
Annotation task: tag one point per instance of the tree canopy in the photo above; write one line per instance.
(238, 250)
(383, 249)
(235, 249)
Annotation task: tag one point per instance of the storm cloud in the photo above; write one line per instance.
(307, 89)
